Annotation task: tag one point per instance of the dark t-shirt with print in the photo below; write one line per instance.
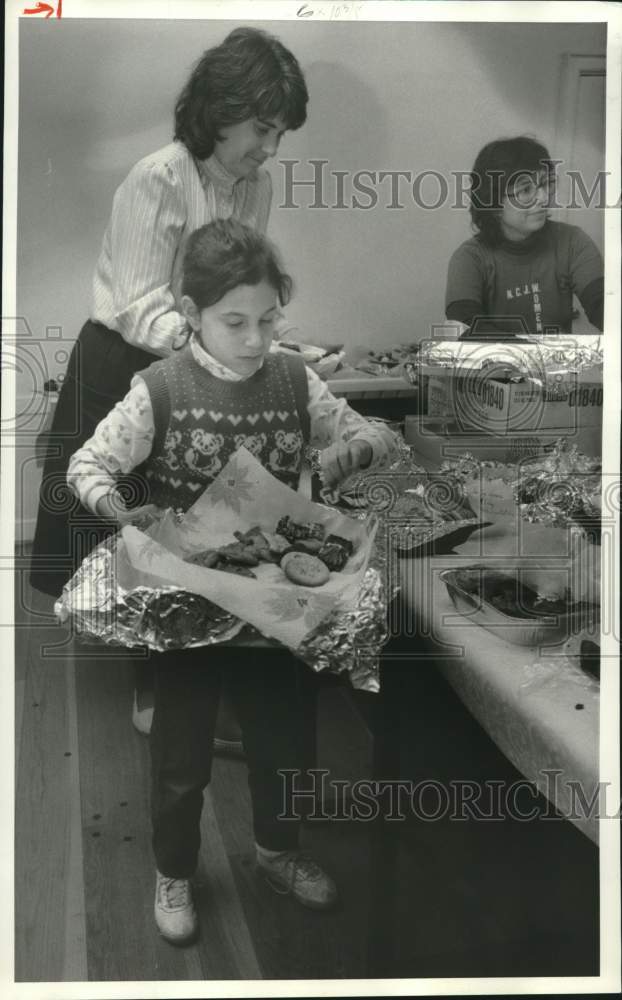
(534, 279)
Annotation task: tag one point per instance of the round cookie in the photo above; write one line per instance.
(304, 569)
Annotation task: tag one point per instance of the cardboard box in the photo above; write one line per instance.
(512, 386)
(440, 393)
(437, 387)
(564, 400)
(433, 441)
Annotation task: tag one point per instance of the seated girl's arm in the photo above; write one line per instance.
(464, 294)
(120, 443)
(348, 440)
(587, 270)
(592, 299)
(464, 311)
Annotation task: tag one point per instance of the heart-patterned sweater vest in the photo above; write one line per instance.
(201, 420)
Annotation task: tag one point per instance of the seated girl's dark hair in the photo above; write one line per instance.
(251, 74)
(224, 254)
(497, 168)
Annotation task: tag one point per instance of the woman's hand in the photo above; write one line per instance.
(341, 460)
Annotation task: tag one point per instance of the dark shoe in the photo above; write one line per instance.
(294, 873)
(229, 748)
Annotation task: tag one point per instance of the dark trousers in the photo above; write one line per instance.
(98, 375)
(265, 688)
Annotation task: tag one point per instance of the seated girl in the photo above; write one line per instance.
(520, 263)
(181, 421)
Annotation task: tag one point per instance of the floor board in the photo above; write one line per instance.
(290, 941)
(75, 955)
(226, 946)
(119, 871)
(44, 787)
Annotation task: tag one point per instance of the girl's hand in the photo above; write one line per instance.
(112, 508)
(140, 517)
(341, 460)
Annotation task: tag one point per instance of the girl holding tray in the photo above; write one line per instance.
(180, 422)
(238, 102)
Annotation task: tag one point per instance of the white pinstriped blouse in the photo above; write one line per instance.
(167, 195)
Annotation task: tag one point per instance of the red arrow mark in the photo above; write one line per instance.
(45, 8)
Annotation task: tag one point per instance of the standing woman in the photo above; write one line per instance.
(240, 99)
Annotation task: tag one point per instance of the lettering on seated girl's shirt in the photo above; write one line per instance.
(532, 290)
(520, 290)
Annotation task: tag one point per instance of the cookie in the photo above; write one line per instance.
(345, 543)
(304, 569)
(208, 558)
(239, 554)
(334, 556)
(278, 546)
(310, 545)
(255, 543)
(293, 531)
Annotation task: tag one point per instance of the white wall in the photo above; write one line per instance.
(97, 95)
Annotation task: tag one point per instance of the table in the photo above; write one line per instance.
(389, 397)
(540, 710)
(357, 385)
(348, 381)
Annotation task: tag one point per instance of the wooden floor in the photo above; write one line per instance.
(422, 900)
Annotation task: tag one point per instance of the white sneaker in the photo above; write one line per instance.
(142, 716)
(295, 873)
(174, 910)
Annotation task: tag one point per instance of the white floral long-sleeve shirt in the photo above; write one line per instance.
(124, 438)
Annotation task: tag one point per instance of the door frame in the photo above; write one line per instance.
(574, 66)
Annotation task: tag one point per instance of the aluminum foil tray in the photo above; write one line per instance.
(524, 621)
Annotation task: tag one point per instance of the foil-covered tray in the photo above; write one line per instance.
(562, 489)
(502, 603)
(139, 588)
(97, 606)
(420, 513)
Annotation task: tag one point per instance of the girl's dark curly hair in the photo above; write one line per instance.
(225, 254)
(251, 74)
(497, 168)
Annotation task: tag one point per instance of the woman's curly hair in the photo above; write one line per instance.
(251, 74)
